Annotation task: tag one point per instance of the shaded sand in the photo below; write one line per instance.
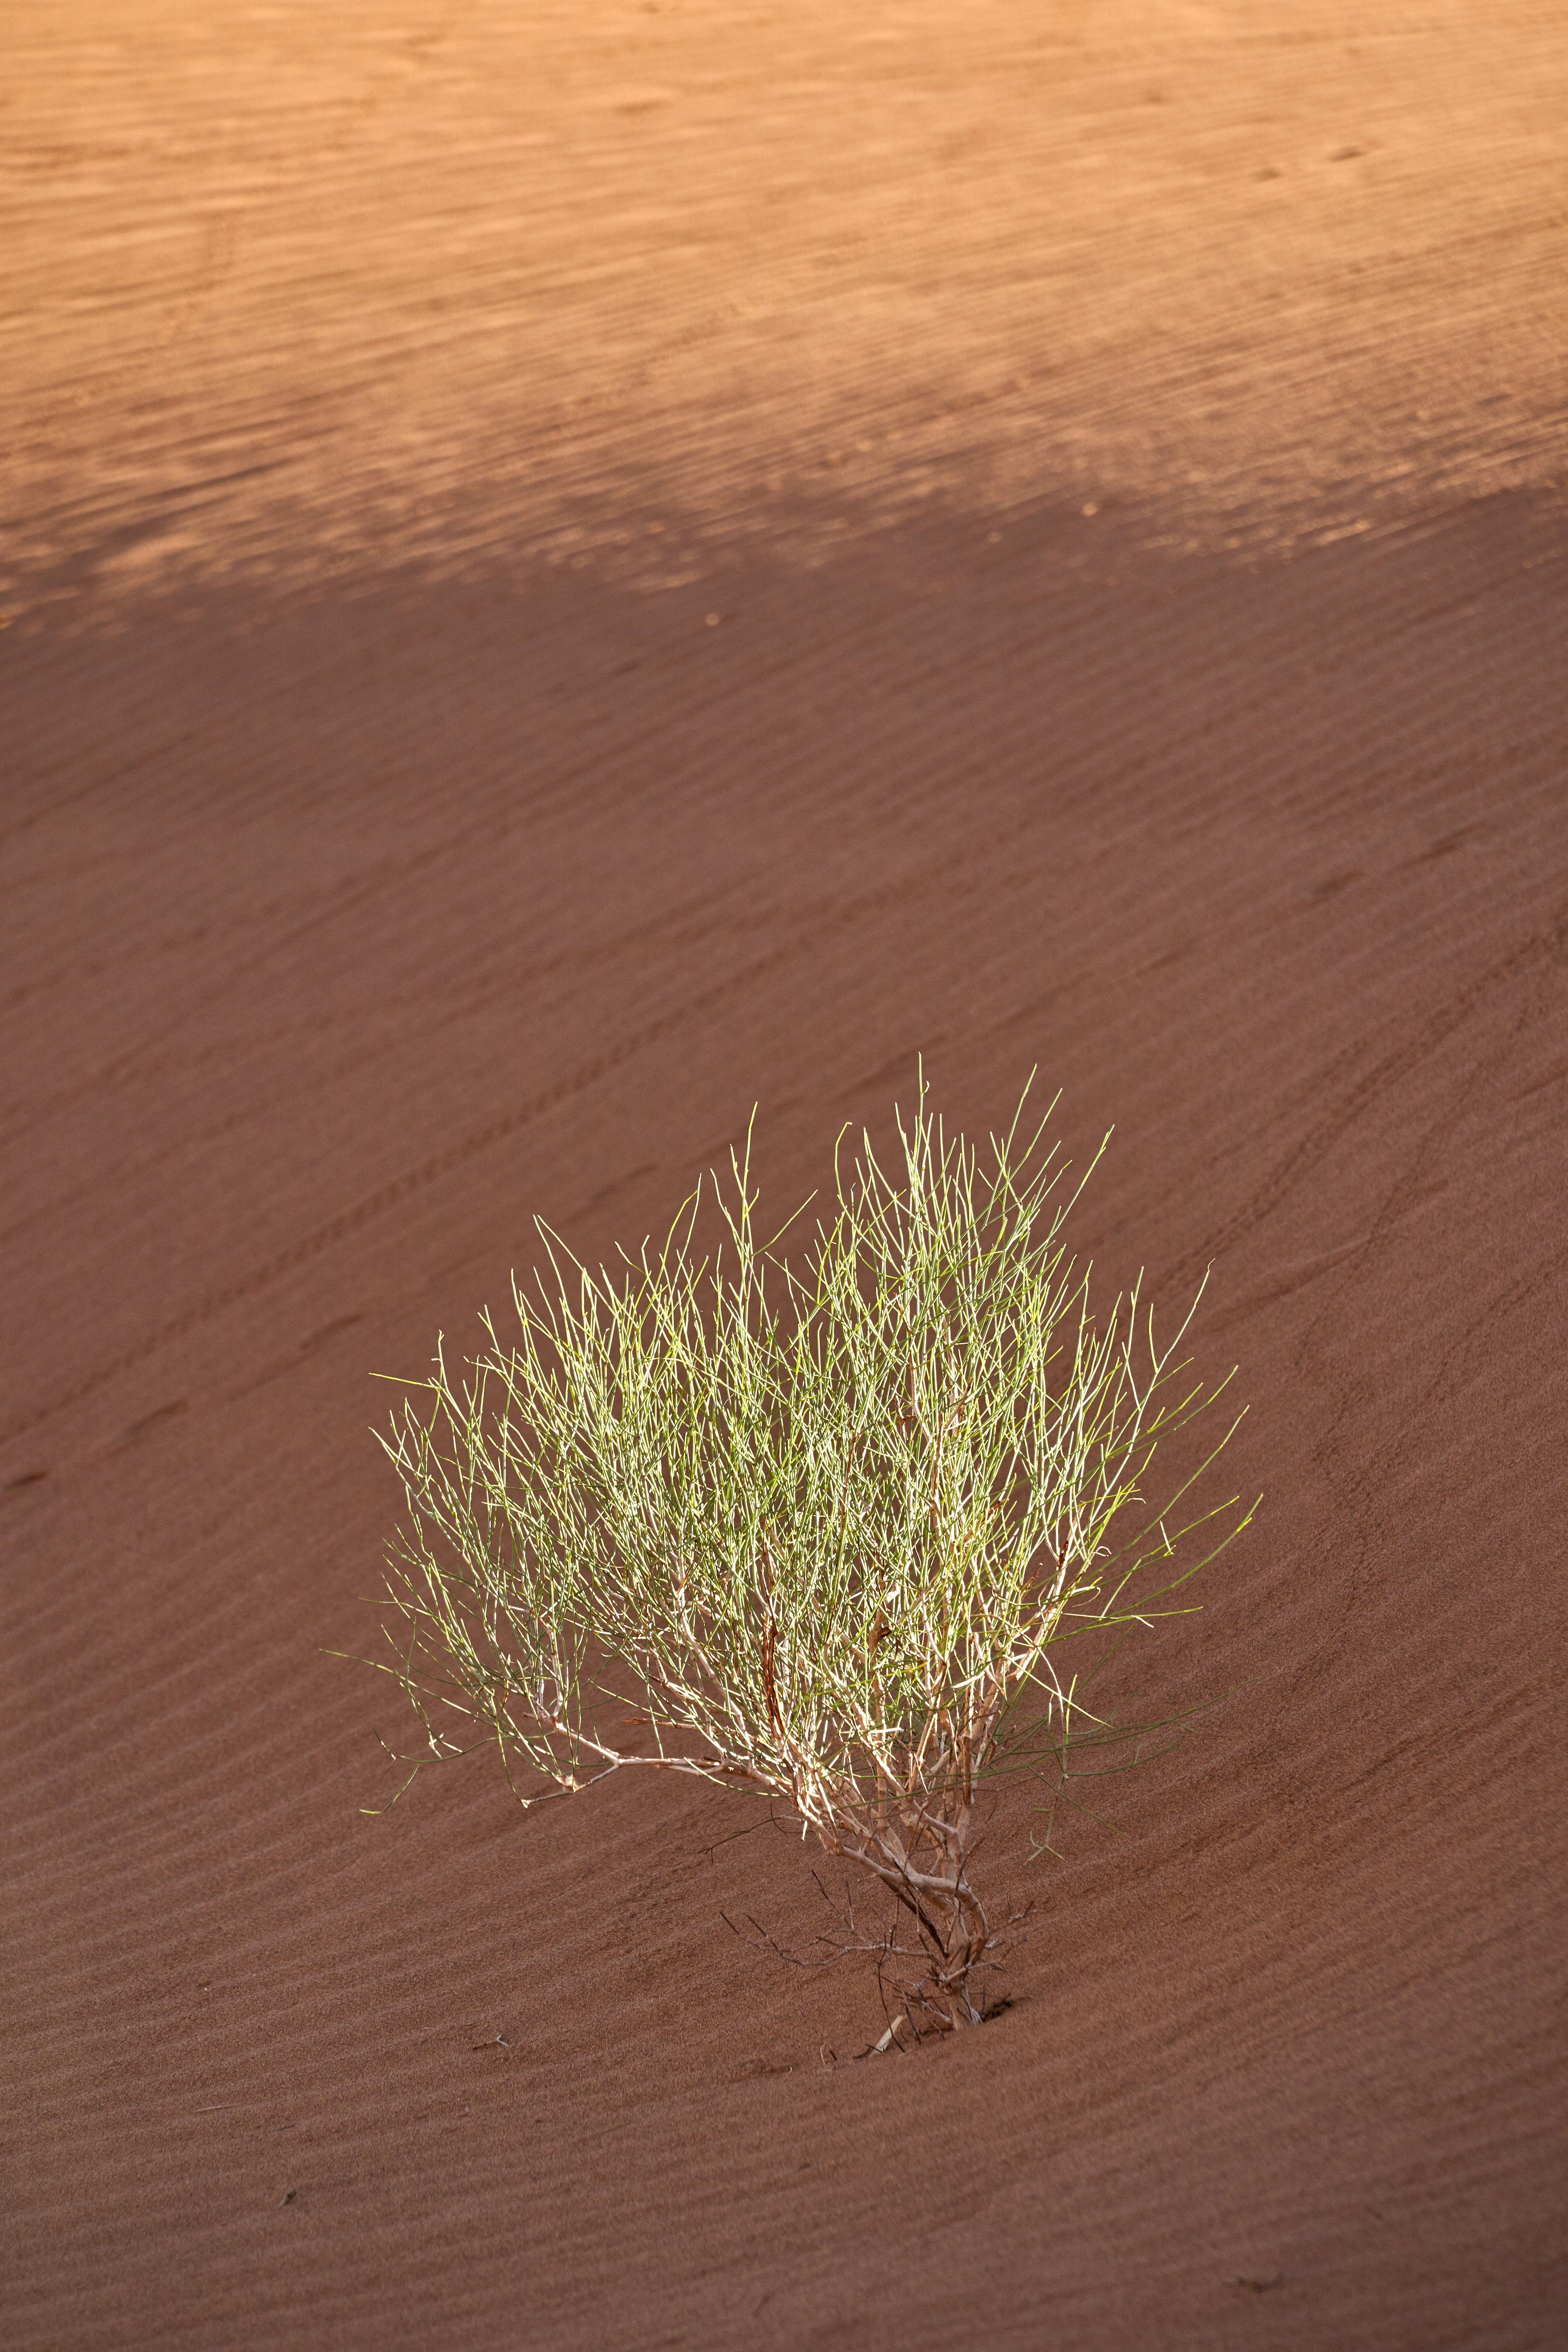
(562, 581)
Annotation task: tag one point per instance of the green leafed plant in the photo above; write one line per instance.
(829, 1529)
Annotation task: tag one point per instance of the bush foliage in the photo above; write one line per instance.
(828, 1530)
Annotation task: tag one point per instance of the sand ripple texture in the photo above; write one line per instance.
(568, 571)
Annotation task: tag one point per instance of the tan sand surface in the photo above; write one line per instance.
(573, 569)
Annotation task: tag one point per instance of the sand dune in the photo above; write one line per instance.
(569, 571)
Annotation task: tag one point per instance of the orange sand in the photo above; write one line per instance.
(571, 570)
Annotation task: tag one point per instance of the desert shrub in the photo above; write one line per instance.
(830, 1530)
